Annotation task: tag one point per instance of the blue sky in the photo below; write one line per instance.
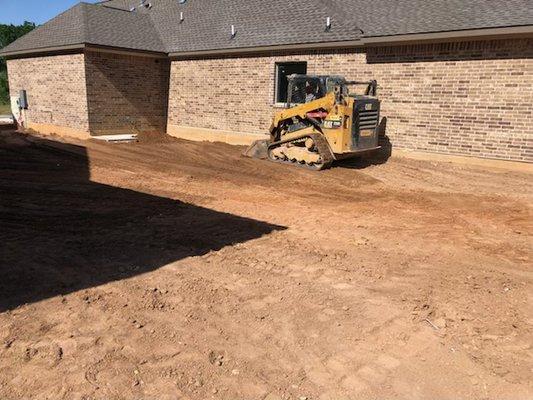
(38, 11)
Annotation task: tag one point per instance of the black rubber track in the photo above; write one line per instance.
(323, 149)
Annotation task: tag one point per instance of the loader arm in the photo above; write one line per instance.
(326, 103)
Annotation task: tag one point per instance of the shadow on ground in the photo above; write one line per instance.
(60, 232)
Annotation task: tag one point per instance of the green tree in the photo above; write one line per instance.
(8, 34)
(4, 88)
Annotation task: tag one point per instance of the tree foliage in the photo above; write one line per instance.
(8, 34)
(4, 88)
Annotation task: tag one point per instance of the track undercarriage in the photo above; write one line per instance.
(309, 151)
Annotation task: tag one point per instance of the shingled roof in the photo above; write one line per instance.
(92, 24)
(207, 24)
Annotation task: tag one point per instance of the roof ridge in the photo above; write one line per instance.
(102, 3)
(158, 31)
(99, 6)
(153, 23)
(85, 25)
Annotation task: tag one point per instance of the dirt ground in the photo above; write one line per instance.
(169, 269)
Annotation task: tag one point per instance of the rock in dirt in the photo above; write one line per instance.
(440, 323)
(215, 358)
(198, 383)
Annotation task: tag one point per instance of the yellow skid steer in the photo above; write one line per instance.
(322, 122)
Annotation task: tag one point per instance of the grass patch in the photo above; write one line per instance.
(5, 109)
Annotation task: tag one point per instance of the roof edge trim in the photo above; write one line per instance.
(261, 49)
(41, 50)
(79, 48)
(369, 41)
(124, 51)
(464, 34)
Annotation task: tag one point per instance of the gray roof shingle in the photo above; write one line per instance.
(400, 17)
(119, 28)
(65, 29)
(93, 24)
(207, 23)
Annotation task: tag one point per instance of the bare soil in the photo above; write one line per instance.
(169, 269)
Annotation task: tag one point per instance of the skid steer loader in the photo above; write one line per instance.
(322, 122)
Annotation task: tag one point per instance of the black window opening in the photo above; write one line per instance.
(283, 70)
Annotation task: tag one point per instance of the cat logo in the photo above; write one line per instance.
(368, 107)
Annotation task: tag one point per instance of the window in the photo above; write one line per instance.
(283, 70)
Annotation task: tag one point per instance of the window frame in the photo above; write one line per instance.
(277, 66)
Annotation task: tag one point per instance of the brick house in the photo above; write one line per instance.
(456, 76)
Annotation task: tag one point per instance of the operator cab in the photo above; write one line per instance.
(306, 88)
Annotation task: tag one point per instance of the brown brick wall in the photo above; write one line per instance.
(55, 87)
(470, 98)
(96, 92)
(126, 92)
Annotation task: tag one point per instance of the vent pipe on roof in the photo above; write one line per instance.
(233, 31)
(145, 4)
(181, 17)
(328, 23)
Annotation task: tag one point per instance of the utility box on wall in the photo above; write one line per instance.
(23, 100)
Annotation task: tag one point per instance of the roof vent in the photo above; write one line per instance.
(233, 31)
(328, 23)
(182, 1)
(132, 9)
(145, 4)
(181, 17)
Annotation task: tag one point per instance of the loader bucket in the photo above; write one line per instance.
(258, 149)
